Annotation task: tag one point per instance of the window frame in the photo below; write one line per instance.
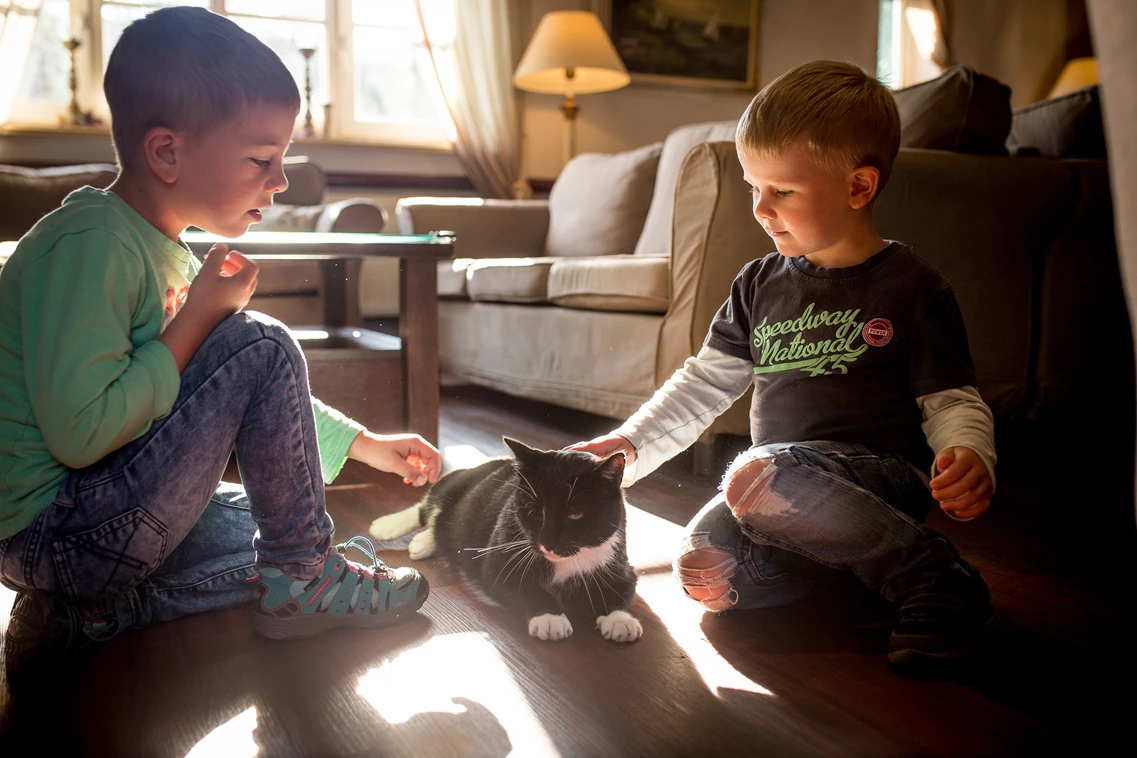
(339, 48)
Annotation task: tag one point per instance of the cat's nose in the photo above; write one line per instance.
(547, 552)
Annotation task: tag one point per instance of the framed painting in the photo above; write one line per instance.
(691, 43)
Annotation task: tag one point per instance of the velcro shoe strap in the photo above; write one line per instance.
(334, 568)
(363, 602)
(343, 594)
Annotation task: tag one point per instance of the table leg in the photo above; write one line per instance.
(341, 292)
(418, 328)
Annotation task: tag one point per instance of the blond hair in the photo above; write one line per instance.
(845, 117)
(187, 69)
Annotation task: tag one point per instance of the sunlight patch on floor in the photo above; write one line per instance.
(681, 616)
(430, 677)
(652, 544)
(463, 456)
(233, 739)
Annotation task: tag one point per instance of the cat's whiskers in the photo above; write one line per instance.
(532, 489)
(505, 546)
(519, 554)
(571, 488)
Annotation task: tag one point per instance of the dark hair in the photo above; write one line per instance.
(187, 69)
(844, 116)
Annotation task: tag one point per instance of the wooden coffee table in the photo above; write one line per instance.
(387, 379)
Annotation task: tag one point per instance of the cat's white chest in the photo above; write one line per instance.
(586, 560)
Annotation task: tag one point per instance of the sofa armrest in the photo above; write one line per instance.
(484, 228)
(713, 235)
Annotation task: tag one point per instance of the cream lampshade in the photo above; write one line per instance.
(1076, 74)
(570, 54)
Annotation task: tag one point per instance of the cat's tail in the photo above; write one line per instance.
(395, 525)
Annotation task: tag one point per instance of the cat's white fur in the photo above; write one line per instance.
(422, 545)
(586, 560)
(620, 626)
(550, 626)
(395, 525)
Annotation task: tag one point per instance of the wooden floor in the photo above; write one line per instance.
(461, 679)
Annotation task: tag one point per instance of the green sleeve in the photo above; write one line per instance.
(91, 388)
(335, 433)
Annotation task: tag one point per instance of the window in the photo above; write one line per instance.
(906, 37)
(370, 62)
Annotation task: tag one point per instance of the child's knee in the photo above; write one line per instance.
(704, 572)
(745, 481)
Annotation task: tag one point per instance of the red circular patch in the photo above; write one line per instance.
(877, 332)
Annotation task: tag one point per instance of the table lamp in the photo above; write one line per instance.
(570, 54)
(1076, 74)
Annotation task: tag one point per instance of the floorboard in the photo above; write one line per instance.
(463, 679)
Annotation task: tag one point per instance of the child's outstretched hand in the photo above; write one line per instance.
(963, 487)
(607, 446)
(408, 455)
(224, 285)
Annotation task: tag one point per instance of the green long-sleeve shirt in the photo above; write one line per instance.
(82, 301)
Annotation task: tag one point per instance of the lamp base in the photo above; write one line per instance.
(570, 109)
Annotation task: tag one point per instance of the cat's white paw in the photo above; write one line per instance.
(422, 545)
(395, 525)
(550, 627)
(620, 626)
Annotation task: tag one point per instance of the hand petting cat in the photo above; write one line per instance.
(606, 446)
(408, 455)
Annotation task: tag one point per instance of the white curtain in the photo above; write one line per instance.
(475, 74)
(926, 45)
(17, 30)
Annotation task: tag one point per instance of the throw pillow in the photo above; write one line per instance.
(960, 110)
(31, 193)
(1069, 126)
(598, 204)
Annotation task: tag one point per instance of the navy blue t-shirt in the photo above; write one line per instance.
(842, 353)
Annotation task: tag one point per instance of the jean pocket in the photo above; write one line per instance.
(111, 557)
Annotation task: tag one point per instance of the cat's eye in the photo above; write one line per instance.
(574, 515)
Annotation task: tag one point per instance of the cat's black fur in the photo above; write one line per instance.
(567, 502)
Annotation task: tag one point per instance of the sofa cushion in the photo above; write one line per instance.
(31, 193)
(634, 283)
(452, 278)
(960, 110)
(656, 236)
(508, 280)
(1069, 126)
(598, 204)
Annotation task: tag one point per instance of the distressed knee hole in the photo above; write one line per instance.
(745, 483)
(704, 574)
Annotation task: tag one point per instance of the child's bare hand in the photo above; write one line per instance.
(408, 455)
(225, 283)
(963, 487)
(607, 446)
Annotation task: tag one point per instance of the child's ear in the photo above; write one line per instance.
(161, 147)
(864, 181)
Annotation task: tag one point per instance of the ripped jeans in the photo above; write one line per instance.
(149, 533)
(819, 510)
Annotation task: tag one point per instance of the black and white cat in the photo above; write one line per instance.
(540, 533)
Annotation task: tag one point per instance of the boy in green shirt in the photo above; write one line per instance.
(128, 372)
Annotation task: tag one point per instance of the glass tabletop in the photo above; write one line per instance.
(327, 245)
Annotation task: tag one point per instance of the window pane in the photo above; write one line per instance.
(158, 3)
(286, 38)
(399, 14)
(309, 10)
(393, 78)
(48, 69)
(115, 20)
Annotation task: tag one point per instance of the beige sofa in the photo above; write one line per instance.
(1026, 240)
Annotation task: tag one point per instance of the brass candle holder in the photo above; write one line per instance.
(308, 130)
(76, 116)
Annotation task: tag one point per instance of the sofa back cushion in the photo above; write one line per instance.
(1069, 126)
(598, 203)
(960, 110)
(31, 193)
(656, 236)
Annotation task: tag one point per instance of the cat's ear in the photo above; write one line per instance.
(521, 451)
(613, 468)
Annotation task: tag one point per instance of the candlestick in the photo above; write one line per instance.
(308, 130)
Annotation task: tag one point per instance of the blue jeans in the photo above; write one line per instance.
(824, 509)
(149, 531)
